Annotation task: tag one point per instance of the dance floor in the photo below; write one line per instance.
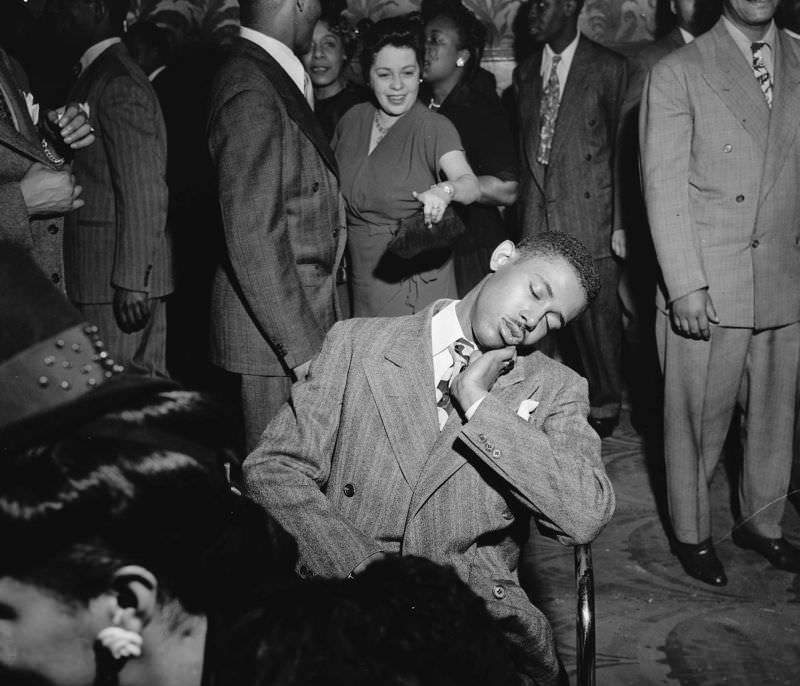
(655, 624)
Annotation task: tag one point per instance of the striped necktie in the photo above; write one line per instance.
(761, 72)
(460, 352)
(548, 113)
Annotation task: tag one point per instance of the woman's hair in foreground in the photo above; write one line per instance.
(399, 32)
(471, 31)
(76, 509)
(555, 244)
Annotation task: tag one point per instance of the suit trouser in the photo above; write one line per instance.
(598, 337)
(143, 351)
(704, 382)
(262, 397)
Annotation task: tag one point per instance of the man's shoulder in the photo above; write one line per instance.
(537, 365)
(600, 53)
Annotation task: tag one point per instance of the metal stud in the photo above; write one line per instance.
(66, 364)
(118, 368)
(60, 343)
(108, 375)
(91, 382)
(49, 360)
(76, 347)
(65, 385)
(44, 381)
(86, 369)
(103, 355)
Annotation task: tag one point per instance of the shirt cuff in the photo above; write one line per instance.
(473, 408)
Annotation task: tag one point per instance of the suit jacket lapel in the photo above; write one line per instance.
(530, 102)
(783, 123)
(448, 453)
(296, 105)
(401, 381)
(727, 72)
(579, 77)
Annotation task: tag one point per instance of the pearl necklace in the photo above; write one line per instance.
(380, 130)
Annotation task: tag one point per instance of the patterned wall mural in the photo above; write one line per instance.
(612, 22)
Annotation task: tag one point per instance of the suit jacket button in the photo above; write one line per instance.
(592, 122)
(349, 490)
(587, 194)
(52, 229)
(482, 436)
(588, 157)
(496, 453)
(739, 198)
(508, 514)
(754, 243)
(303, 571)
(728, 147)
(315, 186)
(499, 591)
(55, 277)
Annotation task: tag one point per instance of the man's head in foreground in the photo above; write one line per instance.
(535, 287)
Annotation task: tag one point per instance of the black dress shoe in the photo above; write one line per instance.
(700, 561)
(604, 426)
(778, 551)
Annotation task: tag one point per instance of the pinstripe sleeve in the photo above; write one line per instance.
(130, 117)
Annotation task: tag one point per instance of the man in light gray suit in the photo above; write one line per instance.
(721, 167)
(117, 252)
(367, 461)
(274, 294)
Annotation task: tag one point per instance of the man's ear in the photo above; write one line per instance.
(502, 254)
(136, 591)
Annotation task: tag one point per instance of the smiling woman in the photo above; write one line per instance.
(391, 155)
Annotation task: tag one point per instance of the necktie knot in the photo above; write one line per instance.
(460, 351)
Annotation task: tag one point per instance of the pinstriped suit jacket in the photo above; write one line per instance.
(18, 151)
(576, 195)
(119, 237)
(721, 174)
(274, 296)
(356, 464)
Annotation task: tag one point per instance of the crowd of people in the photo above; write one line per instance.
(344, 233)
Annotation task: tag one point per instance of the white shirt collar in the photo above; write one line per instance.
(445, 330)
(280, 52)
(743, 43)
(93, 52)
(687, 37)
(152, 75)
(564, 65)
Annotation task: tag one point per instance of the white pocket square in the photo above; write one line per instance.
(526, 408)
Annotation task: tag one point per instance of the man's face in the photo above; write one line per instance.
(751, 16)
(684, 10)
(525, 298)
(74, 21)
(547, 19)
(306, 17)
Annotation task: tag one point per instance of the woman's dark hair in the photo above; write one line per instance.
(399, 32)
(471, 31)
(333, 16)
(144, 485)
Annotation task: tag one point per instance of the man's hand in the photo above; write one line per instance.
(301, 370)
(131, 309)
(479, 376)
(693, 314)
(47, 191)
(71, 122)
(619, 244)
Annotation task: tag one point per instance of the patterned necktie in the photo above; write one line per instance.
(761, 72)
(548, 113)
(460, 352)
(308, 90)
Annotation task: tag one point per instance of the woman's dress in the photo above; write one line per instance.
(377, 190)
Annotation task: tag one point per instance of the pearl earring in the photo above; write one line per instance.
(460, 62)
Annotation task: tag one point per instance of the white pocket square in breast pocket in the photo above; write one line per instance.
(526, 408)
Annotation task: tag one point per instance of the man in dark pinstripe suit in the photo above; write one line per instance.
(117, 254)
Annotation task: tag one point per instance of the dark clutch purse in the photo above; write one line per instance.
(412, 237)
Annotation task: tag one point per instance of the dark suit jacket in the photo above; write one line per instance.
(119, 237)
(577, 194)
(721, 173)
(18, 151)
(357, 464)
(274, 296)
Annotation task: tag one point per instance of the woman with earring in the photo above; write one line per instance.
(397, 158)
(332, 46)
(455, 86)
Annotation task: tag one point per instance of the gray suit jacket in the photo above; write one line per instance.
(19, 149)
(274, 296)
(119, 237)
(577, 194)
(356, 464)
(721, 174)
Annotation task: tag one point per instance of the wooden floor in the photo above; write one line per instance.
(656, 625)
